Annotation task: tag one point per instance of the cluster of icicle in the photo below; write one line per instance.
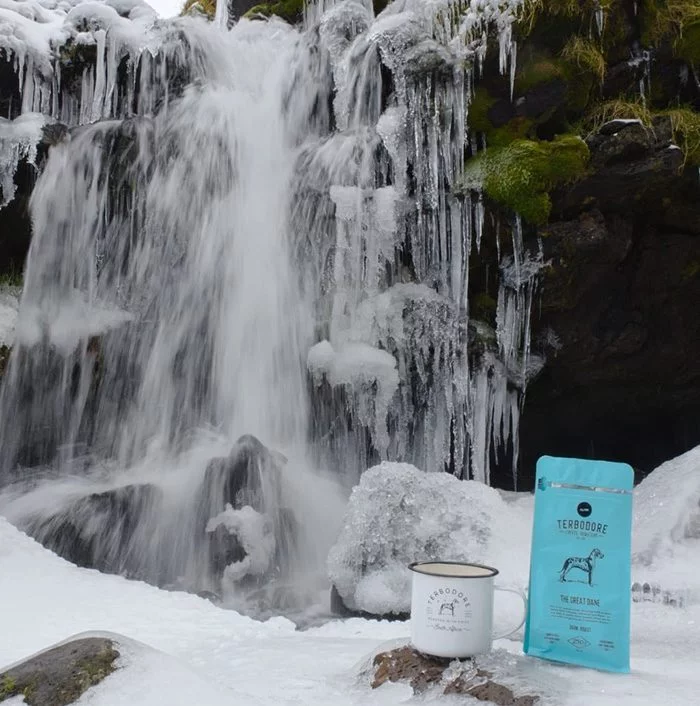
(80, 62)
(382, 240)
(391, 239)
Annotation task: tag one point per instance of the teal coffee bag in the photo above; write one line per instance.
(579, 598)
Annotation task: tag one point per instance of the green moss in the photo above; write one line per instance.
(205, 7)
(8, 687)
(291, 11)
(586, 56)
(614, 110)
(484, 307)
(690, 271)
(672, 23)
(685, 123)
(687, 45)
(520, 176)
(479, 121)
(478, 116)
(536, 72)
(11, 278)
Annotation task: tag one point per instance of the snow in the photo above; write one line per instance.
(182, 650)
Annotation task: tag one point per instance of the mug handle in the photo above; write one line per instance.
(522, 620)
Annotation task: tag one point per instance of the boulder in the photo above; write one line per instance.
(422, 672)
(238, 491)
(59, 676)
(98, 530)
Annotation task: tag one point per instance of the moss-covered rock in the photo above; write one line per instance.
(202, 7)
(60, 675)
(291, 11)
(520, 176)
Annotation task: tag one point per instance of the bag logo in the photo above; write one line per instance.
(584, 509)
(579, 642)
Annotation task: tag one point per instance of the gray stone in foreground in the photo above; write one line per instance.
(60, 675)
(423, 671)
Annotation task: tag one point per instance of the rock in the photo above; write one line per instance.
(97, 531)
(60, 675)
(249, 476)
(406, 664)
(618, 293)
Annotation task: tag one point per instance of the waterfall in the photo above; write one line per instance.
(250, 262)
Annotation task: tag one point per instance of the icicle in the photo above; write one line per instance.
(221, 17)
(98, 98)
(600, 17)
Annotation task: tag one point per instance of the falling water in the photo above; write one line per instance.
(255, 232)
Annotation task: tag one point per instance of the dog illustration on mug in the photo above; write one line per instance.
(446, 608)
(585, 563)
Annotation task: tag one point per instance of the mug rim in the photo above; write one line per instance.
(414, 566)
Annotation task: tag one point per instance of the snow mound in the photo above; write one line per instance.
(667, 513)
(398, 514)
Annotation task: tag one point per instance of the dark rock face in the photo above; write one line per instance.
(620, 292)
(249, 476)
(98, 531)
(60, 675)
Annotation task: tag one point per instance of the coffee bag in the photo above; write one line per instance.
(579, 596)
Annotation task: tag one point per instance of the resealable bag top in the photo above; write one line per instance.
(579, 597)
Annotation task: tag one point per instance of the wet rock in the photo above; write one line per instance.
(98, 531)
(62, 674)
(249, 476)
(422, 672)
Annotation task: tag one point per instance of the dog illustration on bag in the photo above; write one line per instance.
(446, 608)
(585, 563)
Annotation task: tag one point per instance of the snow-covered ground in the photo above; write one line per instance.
(195, 653)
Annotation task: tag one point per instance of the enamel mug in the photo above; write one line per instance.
(452, 608)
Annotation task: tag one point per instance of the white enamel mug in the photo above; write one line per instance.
(452, 608)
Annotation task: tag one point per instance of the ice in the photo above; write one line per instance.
(18, 140)
(369, 373)
(398, 514)
(255, 534)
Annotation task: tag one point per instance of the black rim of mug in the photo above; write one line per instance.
(415, 566)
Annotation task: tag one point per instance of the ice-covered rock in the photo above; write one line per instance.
(18, 141)
(398, 514)
(255, 534)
